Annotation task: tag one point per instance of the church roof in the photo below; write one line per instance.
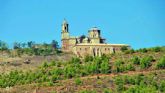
(94, 28)
(89, 44)
(72, 36)
(65, 22)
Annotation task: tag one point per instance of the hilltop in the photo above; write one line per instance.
(130, 71)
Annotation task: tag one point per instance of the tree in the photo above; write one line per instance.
(16, 45)
(23, 45)
(54, 44)
(30, 44)
(143, 50)
(3, 45)
(124, 48)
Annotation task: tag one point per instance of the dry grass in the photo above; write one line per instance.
(8, 64)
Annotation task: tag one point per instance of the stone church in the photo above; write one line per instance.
(93, 44)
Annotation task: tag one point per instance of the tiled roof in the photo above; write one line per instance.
(90, 44)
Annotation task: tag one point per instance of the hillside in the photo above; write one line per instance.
(140, 71)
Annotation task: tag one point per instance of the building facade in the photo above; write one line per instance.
(93, 44)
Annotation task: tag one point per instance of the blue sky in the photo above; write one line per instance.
(140, 23)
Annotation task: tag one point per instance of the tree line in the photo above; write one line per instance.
(30, 48)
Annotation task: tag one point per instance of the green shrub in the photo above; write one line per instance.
(143, 50)
(87, 91)
(54, 78)
(135, 60)
(161, 63)
(75, 60)
(45, 65)
(50, 83)
(130, 67)
(78, 81)
(52, 63)
(119, 83)
(58, 64)
(88, 58)
(118, 80)
(162, 86)
(105, 67)
(146, 62)
(128, 80)
(44, 78)
(138, 78)
(118, 63)
(69, 71)
(83, 72)
(56, 71)
(129, 51)
(131, 90)
(156, 49)
(120, 87)
(105, 57)
(92, 68)
(106, 90)
(119, 66)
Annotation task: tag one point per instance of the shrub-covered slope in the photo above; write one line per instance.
(139, 71)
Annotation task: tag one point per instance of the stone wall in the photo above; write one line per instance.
(96, 49)
(65, 45)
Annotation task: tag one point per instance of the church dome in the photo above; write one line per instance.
(86, 38)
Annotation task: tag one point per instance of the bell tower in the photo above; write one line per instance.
(65, 36)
